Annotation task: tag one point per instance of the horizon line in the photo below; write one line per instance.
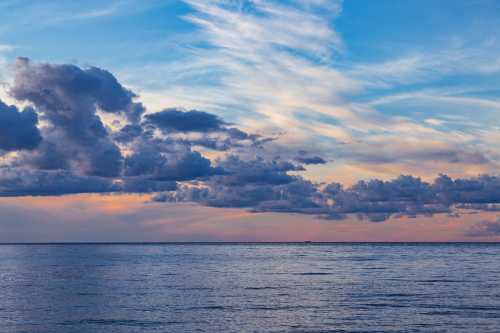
(251, 243)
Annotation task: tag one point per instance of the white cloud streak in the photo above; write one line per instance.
(267, 64)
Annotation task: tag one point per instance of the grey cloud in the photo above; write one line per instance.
(128, 133)
(375, 200)
(372, 153)
(20, 181)
(48, 155)
(257, 171)
(149, 161)
(105, 160)
(142, 185)
(69, 97)
(188, 166)
(219, 144)
(237, 134)
(484, 229)
(18, 129)
(77, 144)
(23, 181)
(378, 200)
(311, 160)
(67, 92)
(245, 183)
(174, 120)
(484, 189)
(215, 133)
(486, 207)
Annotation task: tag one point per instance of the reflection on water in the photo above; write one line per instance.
(250, 288)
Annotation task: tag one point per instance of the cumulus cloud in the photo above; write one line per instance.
(18, 129)
(199, 128)
(75, 145)
(375, 200)
(152, 164)
(173, 120)
(68, 98)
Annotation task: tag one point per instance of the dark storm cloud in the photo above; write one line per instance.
(484, 229)
(18, 129)
(173, 120)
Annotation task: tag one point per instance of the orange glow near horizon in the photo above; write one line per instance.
(128, 217)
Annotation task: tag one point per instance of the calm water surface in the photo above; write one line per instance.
(250, 288)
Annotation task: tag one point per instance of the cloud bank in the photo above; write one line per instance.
(84, 132)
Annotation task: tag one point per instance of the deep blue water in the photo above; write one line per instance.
(250, 288)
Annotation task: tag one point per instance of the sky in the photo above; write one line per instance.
(249, 120)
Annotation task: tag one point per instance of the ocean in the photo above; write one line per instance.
(292, 287)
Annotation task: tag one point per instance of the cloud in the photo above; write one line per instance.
(257, 171)
(243, 183)
(306, 80)
(200, 128)
(253, 76)
(128, 133)
(173, 120)
(311, 160)
(6, 48)
(21, 181)
(64, 12)
(69, 98)
(78, 146)
(67, 93)
(484, 229)
(75, 149)
(375, 200)
(18, 129)
(150, 163)
(389, 154)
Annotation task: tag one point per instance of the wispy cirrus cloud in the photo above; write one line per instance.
(277, 66)
(64, 12)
